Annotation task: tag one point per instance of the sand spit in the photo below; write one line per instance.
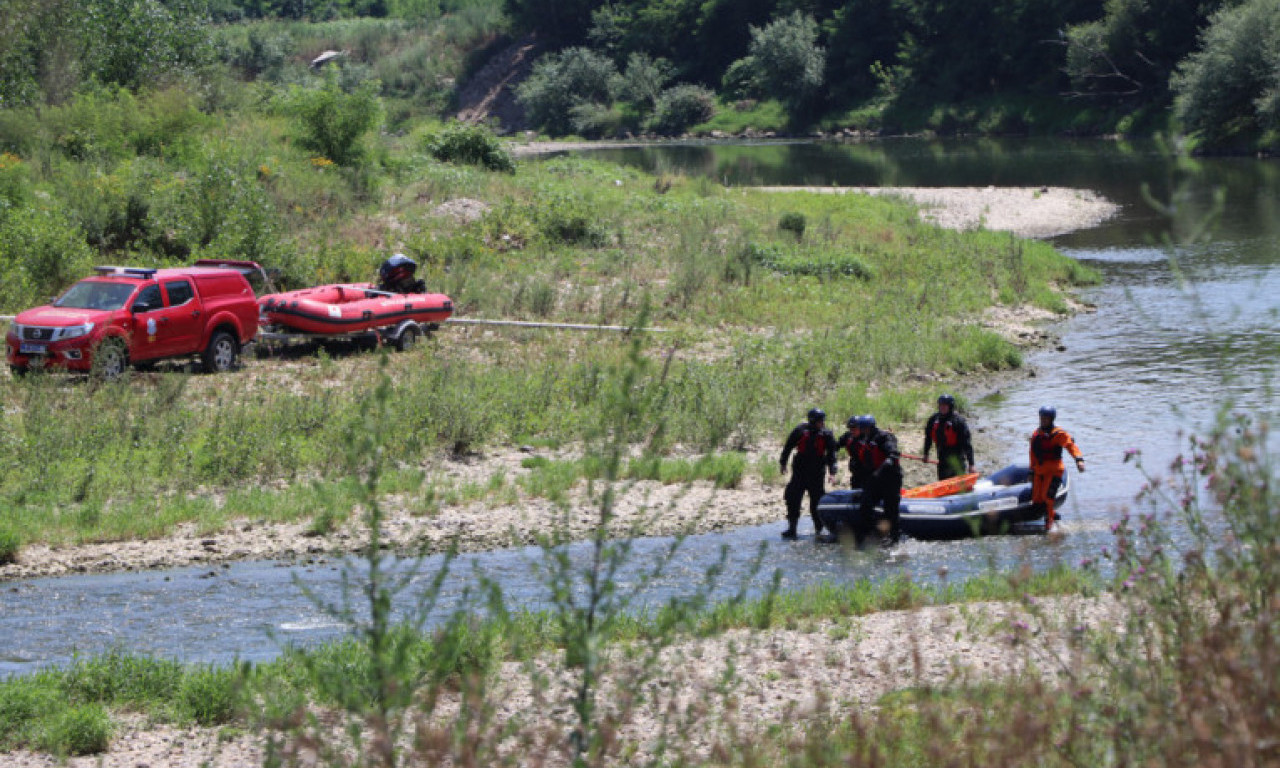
(1037, 212)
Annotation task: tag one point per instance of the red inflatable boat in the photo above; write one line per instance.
(351, 308)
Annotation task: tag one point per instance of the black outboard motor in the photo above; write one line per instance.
(396, 275)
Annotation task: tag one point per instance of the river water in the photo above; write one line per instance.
(1178, 332)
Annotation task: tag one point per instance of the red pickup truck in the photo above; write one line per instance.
(130, 315)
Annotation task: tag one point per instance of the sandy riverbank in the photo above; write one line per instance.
(1036, 212)
(779, 677)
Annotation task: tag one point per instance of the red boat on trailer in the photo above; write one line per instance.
(398, 309)
(351, 308)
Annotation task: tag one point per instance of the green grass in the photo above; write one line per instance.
(734, 118)
(65, 711)
(751, 310)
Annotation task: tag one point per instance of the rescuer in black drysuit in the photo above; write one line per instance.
(849, 442)
(880, 472)
(815, 449)
(950, 433)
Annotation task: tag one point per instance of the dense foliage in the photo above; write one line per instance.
(1230, 88)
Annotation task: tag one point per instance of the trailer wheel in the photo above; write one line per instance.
(407, 338)
(222, 354)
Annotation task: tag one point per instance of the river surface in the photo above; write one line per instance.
(1178, 332)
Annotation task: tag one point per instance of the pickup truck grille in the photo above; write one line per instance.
(37, 333)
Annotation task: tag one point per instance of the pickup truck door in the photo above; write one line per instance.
(146, 310)
(182, 321)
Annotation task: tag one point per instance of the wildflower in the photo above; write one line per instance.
(1131, 454)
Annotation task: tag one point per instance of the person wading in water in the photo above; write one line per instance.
(815, 449)
(950, 432)
(1047, 444)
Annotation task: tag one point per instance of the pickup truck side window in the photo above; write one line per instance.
(179, 292)
(148, 300)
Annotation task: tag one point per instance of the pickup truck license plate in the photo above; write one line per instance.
(32, 349)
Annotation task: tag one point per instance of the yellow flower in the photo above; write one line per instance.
(321, 162)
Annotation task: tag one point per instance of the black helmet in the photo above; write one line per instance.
(1050, 411)
(867, 421)
(817, 414)
(947, 400)
(852, 422)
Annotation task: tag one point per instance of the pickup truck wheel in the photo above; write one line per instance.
(408, 338)
(222, 354)
(110, 360)
(18, 371)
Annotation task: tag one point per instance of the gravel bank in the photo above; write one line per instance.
(1037, 212)
(780, 676)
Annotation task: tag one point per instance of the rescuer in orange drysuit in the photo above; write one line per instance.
(1047, 444)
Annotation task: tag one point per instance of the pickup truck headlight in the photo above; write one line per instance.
(15, 329)
(72, 331)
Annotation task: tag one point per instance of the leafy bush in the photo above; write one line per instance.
(10, 543)
(561, 81)
(209, 695)
(471, 145)
(82, 730)
(786, 59)
(1232, 84)
(682, 106)
(14, 182)
(810, 262)
(793, 223)
(41, 253)
(644, 79)
(333, 122)
(594, 120)
(740, 81)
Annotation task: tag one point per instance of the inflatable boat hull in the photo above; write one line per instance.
(999, 503)
(351, 308)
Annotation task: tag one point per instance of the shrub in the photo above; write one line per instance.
(82, 730)
(682, 106)
(594, 120)
(41, 252)
(644, 79)
(333, 122)
(10, 543)
(740, 81)
(470, 145)
(809, 262)
(209, 695)
(793, 223)
(788, 63)
(561, 81)
(22, 703)
(1232, 84)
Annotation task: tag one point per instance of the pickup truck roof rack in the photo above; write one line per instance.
(126, 271)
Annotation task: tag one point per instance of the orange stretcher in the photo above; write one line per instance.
(948, 487)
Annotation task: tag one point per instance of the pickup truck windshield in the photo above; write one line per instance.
(91, 294)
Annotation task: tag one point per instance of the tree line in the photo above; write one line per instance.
(1213, 66)
(1212, 63)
